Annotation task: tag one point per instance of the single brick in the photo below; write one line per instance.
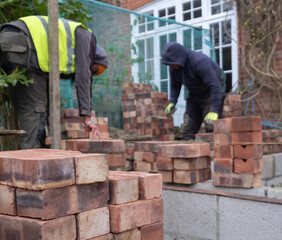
(223, 165)
(222, 125)
(135, 214)
(233, 180)
(106, 146)
(223, 138)
(249, 123)
(254, 151)
(205, 137)
(93, 223)
(133, 234)
(7, 200)
(245, 138)
(108, 236)
(223, 151)
(116, 160)
(190, 150)
(191, 176)
(164, 163)
(20, 228)
(58, 202)
(90, 168)
(167, 176)
(192, 163)
(149, 157)
(123, 188)
(143, 166)
(149, 146)
(77, 145)
(248, 166)
(152, 231)
(5, 169)
(72, 126)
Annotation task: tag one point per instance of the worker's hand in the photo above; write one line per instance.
(91, 128)
(211, 117)
(169, 108)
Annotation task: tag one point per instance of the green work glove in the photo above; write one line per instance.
(169, 108)
(211, 116)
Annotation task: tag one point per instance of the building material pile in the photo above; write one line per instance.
(144, 112)
(232, 106)
(272, 141)
(238, 152)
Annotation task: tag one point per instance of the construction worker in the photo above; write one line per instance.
(24, 43)
(201, 76)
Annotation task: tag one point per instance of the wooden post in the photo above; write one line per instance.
(54, 75)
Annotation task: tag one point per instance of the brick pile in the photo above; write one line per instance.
(72, 126)
(238, 152)
(136, 206)
(145, 155)
(272, 141)
(113, 148)
(184, 163)
(232, 106)
(144, 112)
(53, 194)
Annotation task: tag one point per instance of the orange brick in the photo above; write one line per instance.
(164, 163)
(20, 228)
(143, 166)
(246, 138)
(135, 214)
(133, 234)
(248, 166)
(108, 236)
(167, 176)
(191, 176)
(116, 160)
(206, 137)
(249, 123)
(222, 125)
(222, 138)
(233, 180)
(192, 163)
(152, 231)
(149, 157)
(223, 151)
(190, 150)
(254, 151)
(149, 146)
(223, 165)
(7, 200)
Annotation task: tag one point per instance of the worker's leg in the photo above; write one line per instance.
(195, 118)
(30, 103)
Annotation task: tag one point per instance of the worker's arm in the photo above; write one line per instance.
(175, 86)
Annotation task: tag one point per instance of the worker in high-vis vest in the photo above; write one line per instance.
(24, 43)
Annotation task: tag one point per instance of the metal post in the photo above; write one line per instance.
(54, 75)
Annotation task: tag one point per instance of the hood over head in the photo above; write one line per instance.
(174, 53)
(100, 57)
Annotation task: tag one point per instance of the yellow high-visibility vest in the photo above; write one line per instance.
(38, 28)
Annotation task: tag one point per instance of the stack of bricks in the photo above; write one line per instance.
(145, 155)
(113, 148)
(53, 194)
(184, 163)
(272, 141)
(129, 155)
(136, 206)
(232, 106)
(206, 137)
(238, 152)
(144, 112)
(72, 126)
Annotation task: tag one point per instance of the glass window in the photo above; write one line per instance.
(226, 32)
(168, 13)
(226, 53)
(219, 6)
(145, 23)
(191, 10)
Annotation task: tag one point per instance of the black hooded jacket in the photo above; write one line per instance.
(198, 73)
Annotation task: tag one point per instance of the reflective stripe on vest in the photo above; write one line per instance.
(38, 28)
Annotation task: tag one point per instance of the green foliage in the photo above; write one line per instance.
(16, 76)
(277, 185)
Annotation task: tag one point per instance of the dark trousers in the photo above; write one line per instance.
(197, 109)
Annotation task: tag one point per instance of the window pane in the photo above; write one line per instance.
(141, 70)
(197, 40)
(215, 33)
(215, 1)
(162, 23)
(171, 18)
(186, 16)
(172, 37)
(150, 48)
(215, 10)
(163, 71)
(187, 38)
(226, 58)
(141, 28)
(162, 13)
(141, 48)
(197, 3)
(198, 13)
(217, 56)
(186, 6)
(228, 82)
(141, 19)
(225, 37)
(164, 87)
(163, 41)
(150, 26)
(226, 7)
(171, 10)
(150, 69)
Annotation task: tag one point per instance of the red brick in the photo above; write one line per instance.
(123, 188)
(233, 180)
(70, 112)
(138, 156)
(58, 202)
(191, 176)
(93, 223)
(133, 234)
(144, 166)
(20, 228)
(223, 165)
(223, 138)
(164, 163)
(108, 236)
(106, 146)
(78, 145)
(152, 232)
(149, 157)
(205, 137)
(250, 123)
(7, 200)
(190, 150)
(167, 176)
(149, 146)
(72, 126)
(245, 138)
(248, 166)
(192, 163)
(135, 214)
(222, 125)
(254, 151)
(223, 151)
(115, 160)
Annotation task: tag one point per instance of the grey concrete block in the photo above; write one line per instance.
(268, 167)
(189, 215)
(277, 164)
(245, 219)
(274, 193)
(276, 182)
